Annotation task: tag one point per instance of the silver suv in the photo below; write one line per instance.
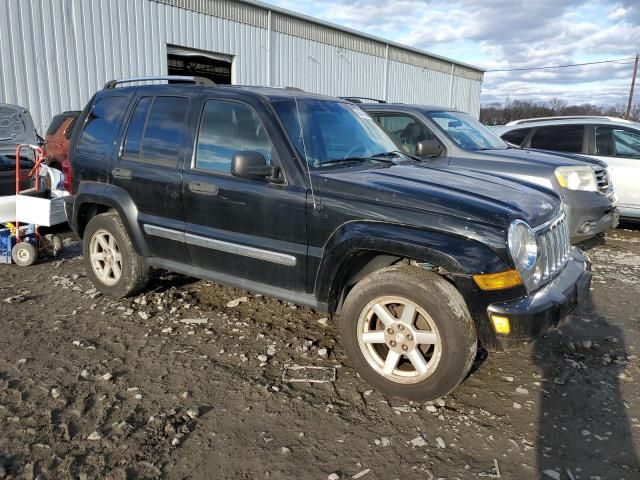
(452, 139)
(614, 140)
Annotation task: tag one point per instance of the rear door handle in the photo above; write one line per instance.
(203, 188)
(122, 173)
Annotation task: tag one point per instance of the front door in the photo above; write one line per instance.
(149, 169)
(620, 148)
(252, 229)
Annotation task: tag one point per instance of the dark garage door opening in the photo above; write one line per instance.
(215, 67)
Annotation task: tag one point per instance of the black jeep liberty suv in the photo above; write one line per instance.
(305, 198)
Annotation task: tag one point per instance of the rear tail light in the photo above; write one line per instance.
(68, 177)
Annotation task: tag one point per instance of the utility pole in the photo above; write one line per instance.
(633, 84)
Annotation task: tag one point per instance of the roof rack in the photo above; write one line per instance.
(560, 117)
(201, 81)
(360, 99)
(261, 86)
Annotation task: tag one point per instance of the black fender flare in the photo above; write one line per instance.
(117, 199)
(457, 254)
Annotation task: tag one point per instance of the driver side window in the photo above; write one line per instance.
(227, 128)
(406, 130)
(616, 142)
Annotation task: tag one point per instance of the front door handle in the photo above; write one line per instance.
(203, 188)
(124, 173)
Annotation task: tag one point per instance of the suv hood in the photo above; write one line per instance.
(447, 191)
(542, 157)
(16, 126)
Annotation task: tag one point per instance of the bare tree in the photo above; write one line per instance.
(558, 105)
(499, 114)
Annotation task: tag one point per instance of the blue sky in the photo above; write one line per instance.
(502, 34)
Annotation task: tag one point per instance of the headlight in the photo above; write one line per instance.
(577, 178)
(523, 247)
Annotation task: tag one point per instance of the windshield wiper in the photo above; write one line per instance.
(395, 153)
(338, 161)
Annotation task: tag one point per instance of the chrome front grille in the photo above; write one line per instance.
(604, 183)
(554, 243)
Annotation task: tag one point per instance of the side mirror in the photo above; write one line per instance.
(429, 148)
(250, 165)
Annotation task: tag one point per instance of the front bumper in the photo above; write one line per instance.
(590, 214)
(532, 315)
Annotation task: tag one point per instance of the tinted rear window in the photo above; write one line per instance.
(101, 126)
(70, 128)
(163, 132)
(516, 136)
(566, 138)
(55, 124)
(136, 129)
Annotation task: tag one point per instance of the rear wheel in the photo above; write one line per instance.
(409, 333)
(112, 264)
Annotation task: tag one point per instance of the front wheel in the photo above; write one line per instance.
(408, 333)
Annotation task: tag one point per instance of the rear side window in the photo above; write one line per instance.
(516, 136)
(155, 130)
(70, 128)
(227, 128)
(101, 127)
(135, 130)
(565, 138)
(55, 124)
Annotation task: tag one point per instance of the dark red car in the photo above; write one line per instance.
(57, 138)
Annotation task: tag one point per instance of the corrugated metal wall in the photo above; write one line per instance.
(54, 54)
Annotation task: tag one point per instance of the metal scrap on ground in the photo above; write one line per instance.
(310, 374)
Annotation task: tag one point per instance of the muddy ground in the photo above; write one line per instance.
(183, 382)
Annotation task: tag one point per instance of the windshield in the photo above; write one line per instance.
(333, 131)
(467, 132)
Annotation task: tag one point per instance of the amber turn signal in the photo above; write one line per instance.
(498, 281)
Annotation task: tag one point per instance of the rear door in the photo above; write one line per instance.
(620, 148)
(252, 229)
(149, 169)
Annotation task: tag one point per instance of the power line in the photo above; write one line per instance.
(620, 61)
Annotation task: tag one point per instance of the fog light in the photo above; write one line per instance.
(501, 324)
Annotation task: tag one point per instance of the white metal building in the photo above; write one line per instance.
(54, 54)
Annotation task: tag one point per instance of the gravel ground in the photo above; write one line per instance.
(186, 382)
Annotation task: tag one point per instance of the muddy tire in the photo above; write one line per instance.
(110, 260)
(408, 333)
(24, 254)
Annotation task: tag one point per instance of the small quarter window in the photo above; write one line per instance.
(225, 129)
(516, 136)
(101, 127)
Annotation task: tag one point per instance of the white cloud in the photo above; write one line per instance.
(499, 34)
